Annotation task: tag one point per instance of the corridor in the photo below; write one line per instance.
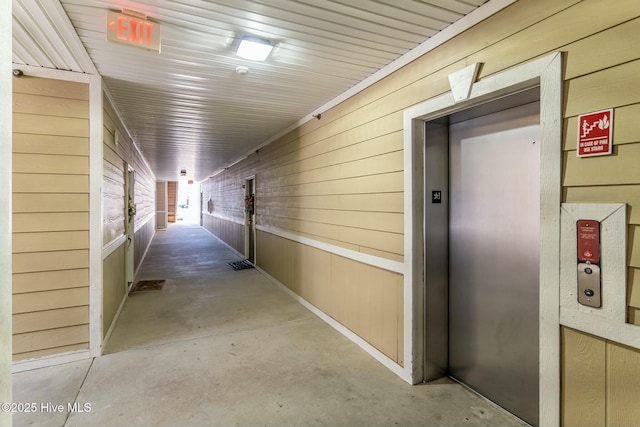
(218, 347)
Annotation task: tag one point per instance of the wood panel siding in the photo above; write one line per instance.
(601, 381)
(339, 180)
(365, 299)
(228, 231)
(50, 217)
(117, 158)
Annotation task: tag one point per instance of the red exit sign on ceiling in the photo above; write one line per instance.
(133, 31)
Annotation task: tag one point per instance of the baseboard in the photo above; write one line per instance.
(374, 352)
(53, 360)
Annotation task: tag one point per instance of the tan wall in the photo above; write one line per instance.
(340, 179)
(227, 231)
(367, 300)
(50, 217)
(116, 157)
(114, 285)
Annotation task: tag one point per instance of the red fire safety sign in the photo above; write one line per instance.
(595, 133)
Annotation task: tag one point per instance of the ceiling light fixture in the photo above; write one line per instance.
(254, 48)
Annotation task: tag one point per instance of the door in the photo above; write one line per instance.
(130, 224)
(494, 219)
(249, 240)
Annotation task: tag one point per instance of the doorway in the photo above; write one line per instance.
(249, 208)
(130, 223)
(482, 243)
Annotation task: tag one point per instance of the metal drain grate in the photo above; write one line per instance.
(240, 265)
(147, 285)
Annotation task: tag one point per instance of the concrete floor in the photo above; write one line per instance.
(218, 347)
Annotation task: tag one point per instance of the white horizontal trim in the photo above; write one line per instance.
(460, 26)
(47, 361)
(223, 218)
(148, 218)
(376, 261)
(374, 352)
(51, 73)
(111, 247)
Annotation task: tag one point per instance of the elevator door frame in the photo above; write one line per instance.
(545, 72)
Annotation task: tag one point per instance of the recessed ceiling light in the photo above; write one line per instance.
(254, 48)
(242, 70)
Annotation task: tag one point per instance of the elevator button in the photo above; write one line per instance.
(588, 270)
(588, 292)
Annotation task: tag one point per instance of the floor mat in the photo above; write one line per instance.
(241, 265)
(147, 285)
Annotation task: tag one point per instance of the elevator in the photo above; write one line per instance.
(482, 250)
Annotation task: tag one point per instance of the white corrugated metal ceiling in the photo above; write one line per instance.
(186, 107)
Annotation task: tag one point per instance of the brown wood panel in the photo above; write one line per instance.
(172, 194)
(50, 300)
(47, 183)
(50, 261)
(50, 144)
(51, 351)
(52, 88)
(51, 221)
(50, 280)
(40, 340)
(50, 106)
(49, 125)
(50, 241)
(623, 386)
(620, 168)
(51, 164)
(583, 379)
(38, 202)
(51, 319)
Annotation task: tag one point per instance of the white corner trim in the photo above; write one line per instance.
(375, 261)
(460, 26)
(374, 352)
(609, 321)
(47, 361)
(96, 157)
(547, 73)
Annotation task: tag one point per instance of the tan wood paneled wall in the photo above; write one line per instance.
(227, 231)
(340, 179)
(114, 286)
(116, 157)
(50, 217)
(365, 299)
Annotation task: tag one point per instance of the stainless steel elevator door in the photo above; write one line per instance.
(494, 223)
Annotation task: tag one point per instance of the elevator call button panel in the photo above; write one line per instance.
(588, 251)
